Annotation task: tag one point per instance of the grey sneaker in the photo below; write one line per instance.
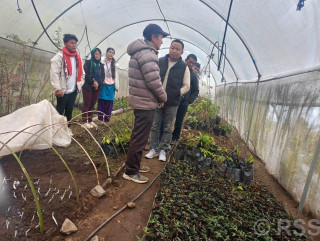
(162, 156)
(144, 169)
(151, 154)
(138, 178)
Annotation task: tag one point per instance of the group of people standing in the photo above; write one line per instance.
(100, 84)
(98, 81)
(160, 91)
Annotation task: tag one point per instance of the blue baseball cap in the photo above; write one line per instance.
(153, 29)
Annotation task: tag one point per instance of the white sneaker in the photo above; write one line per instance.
(151, 154)
(87, 125)
(93, 124)
(162, 156)
(70, 132)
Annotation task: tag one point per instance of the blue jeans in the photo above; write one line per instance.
(167, 114)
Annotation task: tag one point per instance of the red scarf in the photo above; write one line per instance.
(66, 55)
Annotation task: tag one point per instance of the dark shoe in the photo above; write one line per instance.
(144, 169)
(138, 178)
(174, 142)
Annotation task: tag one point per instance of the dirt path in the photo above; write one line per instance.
(129, 223)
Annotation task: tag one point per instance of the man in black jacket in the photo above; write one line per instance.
(188, 98)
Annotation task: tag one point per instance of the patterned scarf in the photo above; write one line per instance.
(108, 73)
(68, 66)
(95, 68)
(108, 69)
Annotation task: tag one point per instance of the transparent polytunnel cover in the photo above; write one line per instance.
(264, 38)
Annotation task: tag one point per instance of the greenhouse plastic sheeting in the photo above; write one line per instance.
(263, 38)
(285, 128)
(41, 127)
(38, 85)
(265, 41)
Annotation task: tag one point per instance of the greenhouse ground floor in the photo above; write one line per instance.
(89, 213)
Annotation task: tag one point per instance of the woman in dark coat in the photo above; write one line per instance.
(91, 89)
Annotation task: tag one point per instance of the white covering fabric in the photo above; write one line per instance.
(41, 119)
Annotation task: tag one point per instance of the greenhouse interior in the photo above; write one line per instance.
(245, 162)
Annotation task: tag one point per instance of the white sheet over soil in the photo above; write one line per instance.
(41, 119)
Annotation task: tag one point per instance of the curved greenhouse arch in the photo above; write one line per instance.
(177, 22)
(234, 71)
(238, 34)
(166, 20)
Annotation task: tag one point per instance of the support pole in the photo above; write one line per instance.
(225, 114)
(234, 102)
(253, 108)
(225, 33)
(208, 86)
(308, 181)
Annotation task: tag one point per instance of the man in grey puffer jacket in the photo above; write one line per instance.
(146, 94)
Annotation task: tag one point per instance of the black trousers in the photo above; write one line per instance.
(181, 112)
(65, 104)
(139, 138)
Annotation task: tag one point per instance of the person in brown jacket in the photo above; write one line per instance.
(145, 95)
